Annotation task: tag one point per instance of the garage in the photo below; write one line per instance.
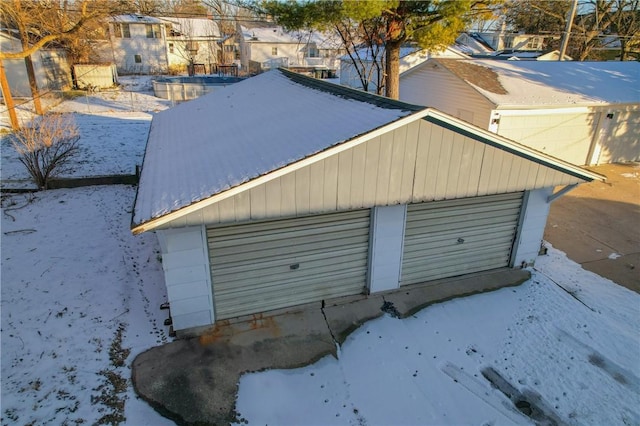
(269, 265)
(457, 237)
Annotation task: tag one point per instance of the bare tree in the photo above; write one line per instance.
(46, 146)
(46, 23)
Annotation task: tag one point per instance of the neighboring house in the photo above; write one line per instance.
(50, 66)
(301, 190)
(264, 48)
(504, 40)
(193, 41)
(581, 112)
(511, 55)
(374, 70)
(137, 45)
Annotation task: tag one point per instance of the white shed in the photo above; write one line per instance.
(581, 112)
(364, 59)
(282, 190)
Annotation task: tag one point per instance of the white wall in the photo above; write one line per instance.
(387, 239)
(153, 51)
(535, 210)
(185, 261)
(431, 85)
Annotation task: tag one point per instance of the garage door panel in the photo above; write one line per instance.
(275, 248)
(270, 265)
(283, 267)
(475, 232)
(457, 237)
(436, 252)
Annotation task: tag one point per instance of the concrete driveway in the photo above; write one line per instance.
(598, 224)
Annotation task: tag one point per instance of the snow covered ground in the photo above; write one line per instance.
(113, 127)
(80, 298)
(576, 348)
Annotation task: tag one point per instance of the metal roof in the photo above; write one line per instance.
(269, 124)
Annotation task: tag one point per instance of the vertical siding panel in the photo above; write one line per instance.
(485, 171)
(384, 169)
(409, 162)
(431, 163)
(532, 175)
(467, 159)
(541, 178)
(330, 195)
(316, 186)
(211, 214)
(302, 191)
(227, 209)
(479, 151)
(358, 186)
(258, 202)
(397, 165)
(496, 170)
(288, 194)
(442, 162)
(422, 157)
(455, 167)
(505, 172)
(273, 194)
(196, 218)
(434, 86)
(344, 179)
(242, 204)
(371, 171)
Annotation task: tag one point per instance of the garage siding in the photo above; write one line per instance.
(457, 237)
(263, 266)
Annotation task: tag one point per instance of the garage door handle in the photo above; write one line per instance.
(294, 266)
(460, 240)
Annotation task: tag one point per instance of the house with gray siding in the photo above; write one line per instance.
(284, 190)
(586, 113)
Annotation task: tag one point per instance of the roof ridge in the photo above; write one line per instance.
(348, 92)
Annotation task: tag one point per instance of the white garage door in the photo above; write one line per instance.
(269, 265)
(456, 237)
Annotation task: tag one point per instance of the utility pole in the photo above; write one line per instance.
(567, 30)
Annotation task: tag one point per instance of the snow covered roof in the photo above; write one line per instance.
(233, 135)
(224, 142)
(550, 83)
(140, 19)
(193, 27)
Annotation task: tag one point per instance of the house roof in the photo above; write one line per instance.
(411, 56)
(276, 34)
(549, 83)
(243, 131)
(224, 141)
(139, 19)
(193, 27)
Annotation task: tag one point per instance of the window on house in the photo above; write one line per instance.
(153, 30)
(122, 30)
(137, 59)
(274, 51)
(170, 47)
(533, 43)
